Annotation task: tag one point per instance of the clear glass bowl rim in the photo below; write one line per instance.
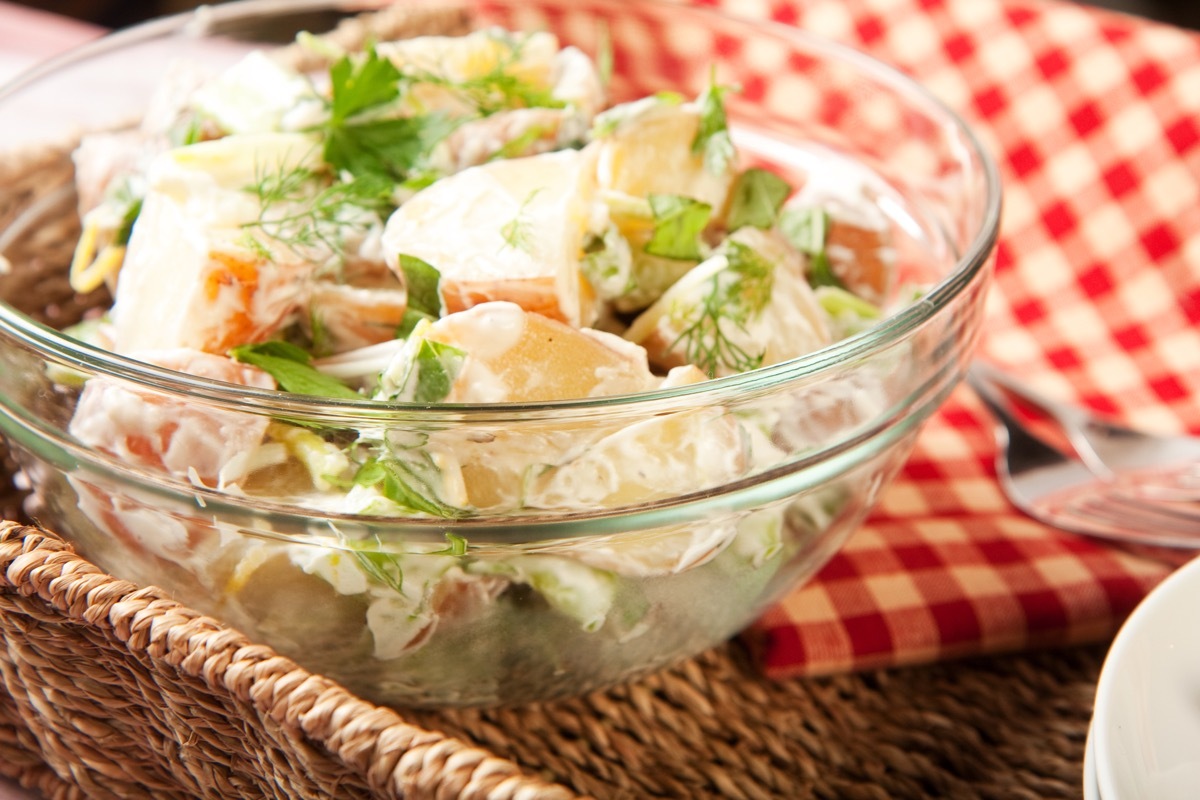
(969, 267)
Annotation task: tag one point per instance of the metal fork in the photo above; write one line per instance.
(1107, 491)
(1159, 466)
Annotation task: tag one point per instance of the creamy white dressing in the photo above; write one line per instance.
(252, 96)
(141, 427)
(489, 331)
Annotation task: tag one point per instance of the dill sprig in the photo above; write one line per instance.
(516, 231)
(733, 296)
(298, 210)
(383, 567)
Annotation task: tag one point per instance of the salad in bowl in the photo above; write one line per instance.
(459, 356)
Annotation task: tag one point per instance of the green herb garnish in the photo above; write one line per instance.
(838, 301)
(300, 212)
(455, 546)
(608, 263)
(437, 365)
(757, 197)
(421, 179)
(383, 567)
(363, 136)
(519, 145)
(516, 231)
(808, 229)
(407, 481)
(187, 131)
(421, 281)
(678, 223)
(292, 369)
(734, 295)
(712, 139)
(125, 229)
(495, 90)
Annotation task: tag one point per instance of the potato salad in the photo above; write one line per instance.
(439, 221)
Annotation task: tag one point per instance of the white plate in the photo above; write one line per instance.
(1146, 725)
(1091, 790)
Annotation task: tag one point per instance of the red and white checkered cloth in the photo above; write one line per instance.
(1094, 119)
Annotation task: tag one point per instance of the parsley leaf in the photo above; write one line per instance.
(437, 366)
(678, 223)
(372, 82)
(421, 280)
(411, 319)
(408, 482)
(357, 139)
(807, 229)
(388, 148)
(712, 138)
(292, 369)
(757, 198)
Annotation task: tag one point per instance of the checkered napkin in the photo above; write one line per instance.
(1094, 119)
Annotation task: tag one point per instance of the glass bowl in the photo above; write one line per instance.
(755, 479)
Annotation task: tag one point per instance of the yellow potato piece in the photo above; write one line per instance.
(789, 324)
(507, 230)
(457, 59)
(188, 278)
(649, 151)
(515, 356)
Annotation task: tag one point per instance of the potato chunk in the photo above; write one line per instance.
(746, 306)
(189, 279)
(509, 355)
(508, 230)
(646, 148)
(184, 439)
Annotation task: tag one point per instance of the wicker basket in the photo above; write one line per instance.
(116, 691)
(111, 690)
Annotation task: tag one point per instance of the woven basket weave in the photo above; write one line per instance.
(114, 691)
(111, 691)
